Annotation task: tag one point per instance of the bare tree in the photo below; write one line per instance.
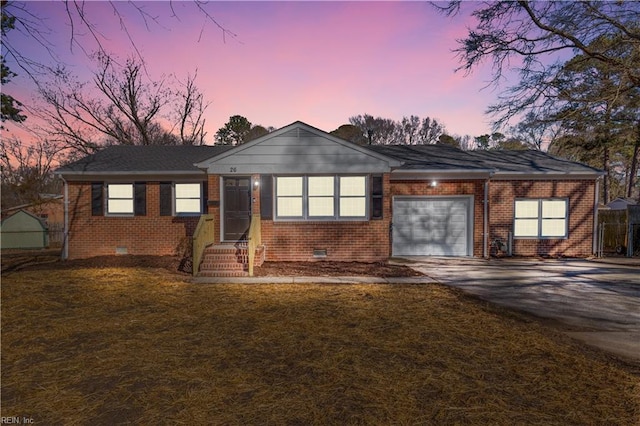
(586, 94)
(536, 132)
(26, 170)
(127, 108)
(84, 28)
(528, 33)
(430, 131)
(378, 130)
(409, 131)
(465, 142)
(71, 119)
(28, 47)
(130, 100)
(190, 113)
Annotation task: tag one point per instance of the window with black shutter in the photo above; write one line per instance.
(140, 199)
(376, 197)
(96, 199)
(205, 197)
(165, 199)
(266, 197)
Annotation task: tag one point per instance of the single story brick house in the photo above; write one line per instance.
(316, 196)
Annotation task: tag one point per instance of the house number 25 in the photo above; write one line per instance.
(233, 169)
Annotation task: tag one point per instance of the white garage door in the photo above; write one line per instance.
(434, 226)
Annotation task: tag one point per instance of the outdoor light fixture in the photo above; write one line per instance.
(434, 183)
(256, 183)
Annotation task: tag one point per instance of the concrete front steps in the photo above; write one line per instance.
(229, 260)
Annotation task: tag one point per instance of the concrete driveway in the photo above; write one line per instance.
(596, 302)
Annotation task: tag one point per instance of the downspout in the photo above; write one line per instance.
(485, 222)
(65, 235)
(596, 202)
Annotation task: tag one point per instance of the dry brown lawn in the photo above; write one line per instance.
(142, 346)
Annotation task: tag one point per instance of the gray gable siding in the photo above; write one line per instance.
(299, 150)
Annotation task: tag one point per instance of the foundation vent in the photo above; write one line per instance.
(319, 253)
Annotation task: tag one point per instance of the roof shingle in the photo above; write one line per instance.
(151, 158)
(166, 159)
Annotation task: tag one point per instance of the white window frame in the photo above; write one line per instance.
(305, 198)
(307, 201)
(350, 197)
(111, 190)
(540, 219)
(290, 197)
(176, 198)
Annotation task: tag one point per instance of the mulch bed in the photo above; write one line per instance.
(50, 259)
(334, 269)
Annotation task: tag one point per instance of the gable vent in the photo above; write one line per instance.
(299, 133)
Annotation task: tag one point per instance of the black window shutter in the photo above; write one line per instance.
(165, 199)
(376, 197)
(140, 200)
(96, 199)
(205, 197)
(266, 197)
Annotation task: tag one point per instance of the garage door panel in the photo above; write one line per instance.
(431, 226)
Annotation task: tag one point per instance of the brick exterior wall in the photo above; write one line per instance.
(366, 241)
(449, 188)
(351, 241)
(580, 194)
(343, 241)
(140, 235)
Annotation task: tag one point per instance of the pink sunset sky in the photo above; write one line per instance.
(318, 62)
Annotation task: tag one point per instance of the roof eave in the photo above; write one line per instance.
(132, 175)
(506, 175)
(450, 174)
(132, 172)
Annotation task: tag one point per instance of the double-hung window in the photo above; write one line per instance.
(120, 198)
(188, 198)
(353, 196)
(289, 197)
(321, 197)
(541, 218)
(321, 190)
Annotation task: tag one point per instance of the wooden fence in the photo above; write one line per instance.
(614, 233)
(612, 227)
(56, 234)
